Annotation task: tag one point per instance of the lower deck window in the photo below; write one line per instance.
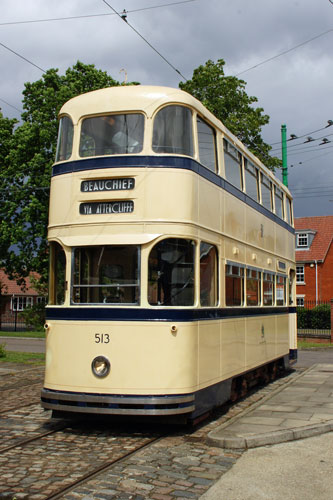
(268, 289)
(234, 285)
(280, 290)
(171, 273)
(253, 287)
(106, 274)
(208, 275)
(57, 283)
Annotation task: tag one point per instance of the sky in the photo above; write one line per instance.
(282, 49)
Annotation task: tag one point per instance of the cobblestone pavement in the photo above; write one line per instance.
(180, 465)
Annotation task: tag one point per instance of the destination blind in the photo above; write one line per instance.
(107, 208)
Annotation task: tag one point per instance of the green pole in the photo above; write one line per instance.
(284, 155)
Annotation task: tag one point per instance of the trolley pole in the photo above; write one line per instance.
(284, 155)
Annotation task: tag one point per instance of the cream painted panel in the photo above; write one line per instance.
(232, 347)
(209, 203)
(209, 353)
(254, 220)
(283, 336)
(146, 358)
(234, 218)
(260, 341)
(169, 194)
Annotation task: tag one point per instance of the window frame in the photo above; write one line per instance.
(238, 276)
(213, 278)
(231, 151)
(300, 274)
(199, 119)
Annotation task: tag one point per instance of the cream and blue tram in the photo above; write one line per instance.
(172, 270)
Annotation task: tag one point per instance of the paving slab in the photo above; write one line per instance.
(302, 408)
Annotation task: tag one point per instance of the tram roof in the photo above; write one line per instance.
(148, 98)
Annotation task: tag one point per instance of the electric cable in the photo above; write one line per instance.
(284, 52)
(22, 57)
(123, 16)
(93, 15)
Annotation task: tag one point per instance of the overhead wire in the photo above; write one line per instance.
(123, 17)
(285, 52)
(94, 15)
(22, 57)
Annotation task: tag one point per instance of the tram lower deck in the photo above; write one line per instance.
(155, 367)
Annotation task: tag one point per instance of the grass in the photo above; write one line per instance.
(35, 335)
(301, 344)
(27, 358)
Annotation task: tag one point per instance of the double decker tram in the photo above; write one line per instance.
(172, 271)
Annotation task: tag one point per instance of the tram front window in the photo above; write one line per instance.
(173, 131)
(112, 134)
(65, 139)
(106, 275)
(171, 273)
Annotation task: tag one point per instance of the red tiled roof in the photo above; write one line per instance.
(10, 287)
(323, 227)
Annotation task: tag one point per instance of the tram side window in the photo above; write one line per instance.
(291, 280)
(208, 275)
(232, 165)
(57, 285)
(266, 192)
(251, 180)
(207, 144)
(280, 290)
(171, 273)
(289, 210)
(106, 274)
(278, 199)
(268, 289)
(173, 131)
(112, 134)
(65, 139)
(253, 287)
(234, 285)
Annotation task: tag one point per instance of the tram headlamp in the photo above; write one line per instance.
(100, 366)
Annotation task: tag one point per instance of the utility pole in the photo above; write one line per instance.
(284, 155)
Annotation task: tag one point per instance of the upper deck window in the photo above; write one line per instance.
(173, 131)
(278, 198)
(266, 192)
(65, 139)
(251, 180)
(207, 144)
(232, 165)
(289, 210)
(112, 135)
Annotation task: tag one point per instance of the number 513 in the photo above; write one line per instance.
(102, 338)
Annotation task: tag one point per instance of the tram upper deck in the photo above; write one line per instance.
(133, 160)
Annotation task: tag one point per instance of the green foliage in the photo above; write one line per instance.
(226, 98)
(318, 318)
(2, 350)
(26, 157)
(34, 316)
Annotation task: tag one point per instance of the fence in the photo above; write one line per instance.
(12, 322)
(314, 322)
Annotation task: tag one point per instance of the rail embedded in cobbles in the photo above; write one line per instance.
(95, 460)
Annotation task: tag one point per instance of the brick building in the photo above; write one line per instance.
(314, 259)
(13, 300)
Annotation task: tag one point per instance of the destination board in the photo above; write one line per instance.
(107, 208)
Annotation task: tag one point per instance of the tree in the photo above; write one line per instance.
(26, 157)
(226, 98)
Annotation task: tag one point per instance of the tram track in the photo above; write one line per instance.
(53, 461)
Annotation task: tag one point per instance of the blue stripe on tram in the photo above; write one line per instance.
(108, 313)
(164, 162)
